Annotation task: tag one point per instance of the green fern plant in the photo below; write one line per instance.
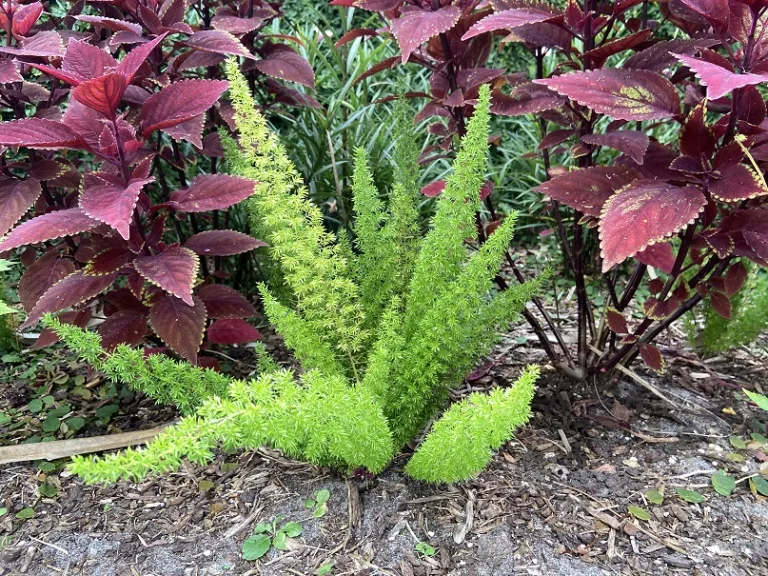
(384, 324)
(749, 318)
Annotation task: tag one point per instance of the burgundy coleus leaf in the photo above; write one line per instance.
(652, 357)
(643, 213)
(9, 73)
(588, 189)
(40, 134)
(718, 80)
(416, 25)
(179, 325)
(616, 321)
(218, 42)
(71, 291)
(234, 24)
(112, 24)
(660, 56)
(281, 61)
(191, 131)
(179, 102)
(376, 5)
(354, 34)
(25, 17)
(174, 270)
(721, 304)
(632, 143)
(85, 61)
(107, 199)
(659, 255)
(48, 227)
(754, 227)
(507, 20)
(696, 138)
(212, 192)
(48, 337)
(123, 327)
(717, 12)
(599, 55)
(738, 183)
(43, 45)
(16, 197)
(434, 189)
(111, 260)
(225, 302)
(222, 243)
(232, 331)
(622, 94)
(103, 94)
(525, 99)
(40, 276)
(131, 63)
(735, 278)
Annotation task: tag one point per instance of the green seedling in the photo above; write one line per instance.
(425, 549)
(318, 504)
(268, 535)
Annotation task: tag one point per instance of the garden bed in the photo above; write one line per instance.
(554, 501)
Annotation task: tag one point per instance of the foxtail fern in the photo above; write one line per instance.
(385, 322)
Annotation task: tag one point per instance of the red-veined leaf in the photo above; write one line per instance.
(643, 213)
(109, 261)
(123, 327)
(111, 24)
(172, 12)
(191, 131)
(718, 80)
(107, 199)
(737, 183)
(661, 55)
(174, 270)
(506, 20)
(103, 94)
(434, 189)
(735, 278)
(40, 276)
(218, 42)
(415, 26)
(224, 302)
(720, 304)
(652, 357)
(71, 291)
(696, 138)
(599, 55)
(131, 63)
(281, 61)
(621, 94)
(588, 189)
(525, 99)
(179, 325)
(86, 61)
(179, 102)
(16, 197)
(356, 33)
(632, 143)
(222, 243)
(716, 12)
(232, 331)
(212, 192)
(9, 73)
(47, 170)
(25, 17)
(659, 256)
(376, 5)
(43, 44)
(616, 321)
(39, 133)
(234, 24)
(48, 227)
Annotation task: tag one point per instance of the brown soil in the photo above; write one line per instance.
(553, 502)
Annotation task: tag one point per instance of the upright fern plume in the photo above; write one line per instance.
(384, 321)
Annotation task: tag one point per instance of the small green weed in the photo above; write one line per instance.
(318, 504)
(268, 535)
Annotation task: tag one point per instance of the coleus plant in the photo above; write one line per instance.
(132, 246)
(608, 77)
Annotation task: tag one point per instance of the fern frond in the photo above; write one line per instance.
(460, 443)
